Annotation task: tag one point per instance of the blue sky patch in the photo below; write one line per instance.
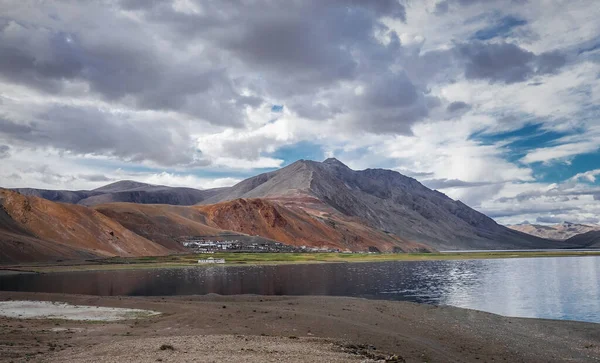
(560, 171)
(277, 108)
(533, 136)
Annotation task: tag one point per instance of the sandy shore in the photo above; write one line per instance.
(293, 329)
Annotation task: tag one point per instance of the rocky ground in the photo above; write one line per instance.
(294, 329)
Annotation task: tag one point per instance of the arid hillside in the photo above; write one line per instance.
(256, 217)
(163, 224)
(296, 226)
(35, 229)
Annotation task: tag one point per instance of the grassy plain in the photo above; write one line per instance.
(240, 259)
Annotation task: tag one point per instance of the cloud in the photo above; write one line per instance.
(416, 174)
(9, 127)
(556, 220)
(506, 62)
(4, 151)
(501, 28)
(458, 107)
(452, 183)
(391, 104)
(216, 61)
(562, 151)
(116, 58)
(588, 176)
(179, 180)
(442, 7)
(97, 132)
(549, 220)
(516, 211)
(95, 177)
(555, 193)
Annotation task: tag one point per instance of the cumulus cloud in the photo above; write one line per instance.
(97, 132)
(589, 176)
(116, 58)
(217, 62)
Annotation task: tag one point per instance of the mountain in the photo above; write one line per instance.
(586, 240)
(385, 200)
(124, 191)
(559, 232)
(35, 229)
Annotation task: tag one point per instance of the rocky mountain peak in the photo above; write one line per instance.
(335, 162)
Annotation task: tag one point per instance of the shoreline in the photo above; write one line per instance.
(263, 328)
(250, 259)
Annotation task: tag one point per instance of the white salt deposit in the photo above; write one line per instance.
(59, 310)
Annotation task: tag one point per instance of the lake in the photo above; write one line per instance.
(554, 288)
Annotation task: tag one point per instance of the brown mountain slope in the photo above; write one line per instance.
(298, 227)
(163, 224)
(269, 219)
(19, 245)
(33, 228)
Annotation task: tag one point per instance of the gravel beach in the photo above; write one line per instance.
(294, 329)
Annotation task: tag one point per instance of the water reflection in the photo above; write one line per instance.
(556, 288)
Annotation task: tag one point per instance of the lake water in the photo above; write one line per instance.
(554, 288)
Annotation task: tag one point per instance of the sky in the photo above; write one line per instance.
(495, 103)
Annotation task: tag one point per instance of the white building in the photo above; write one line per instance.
(212, 260)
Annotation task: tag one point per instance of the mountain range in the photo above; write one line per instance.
(560, 232)
(124, 191)
(318, 204)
